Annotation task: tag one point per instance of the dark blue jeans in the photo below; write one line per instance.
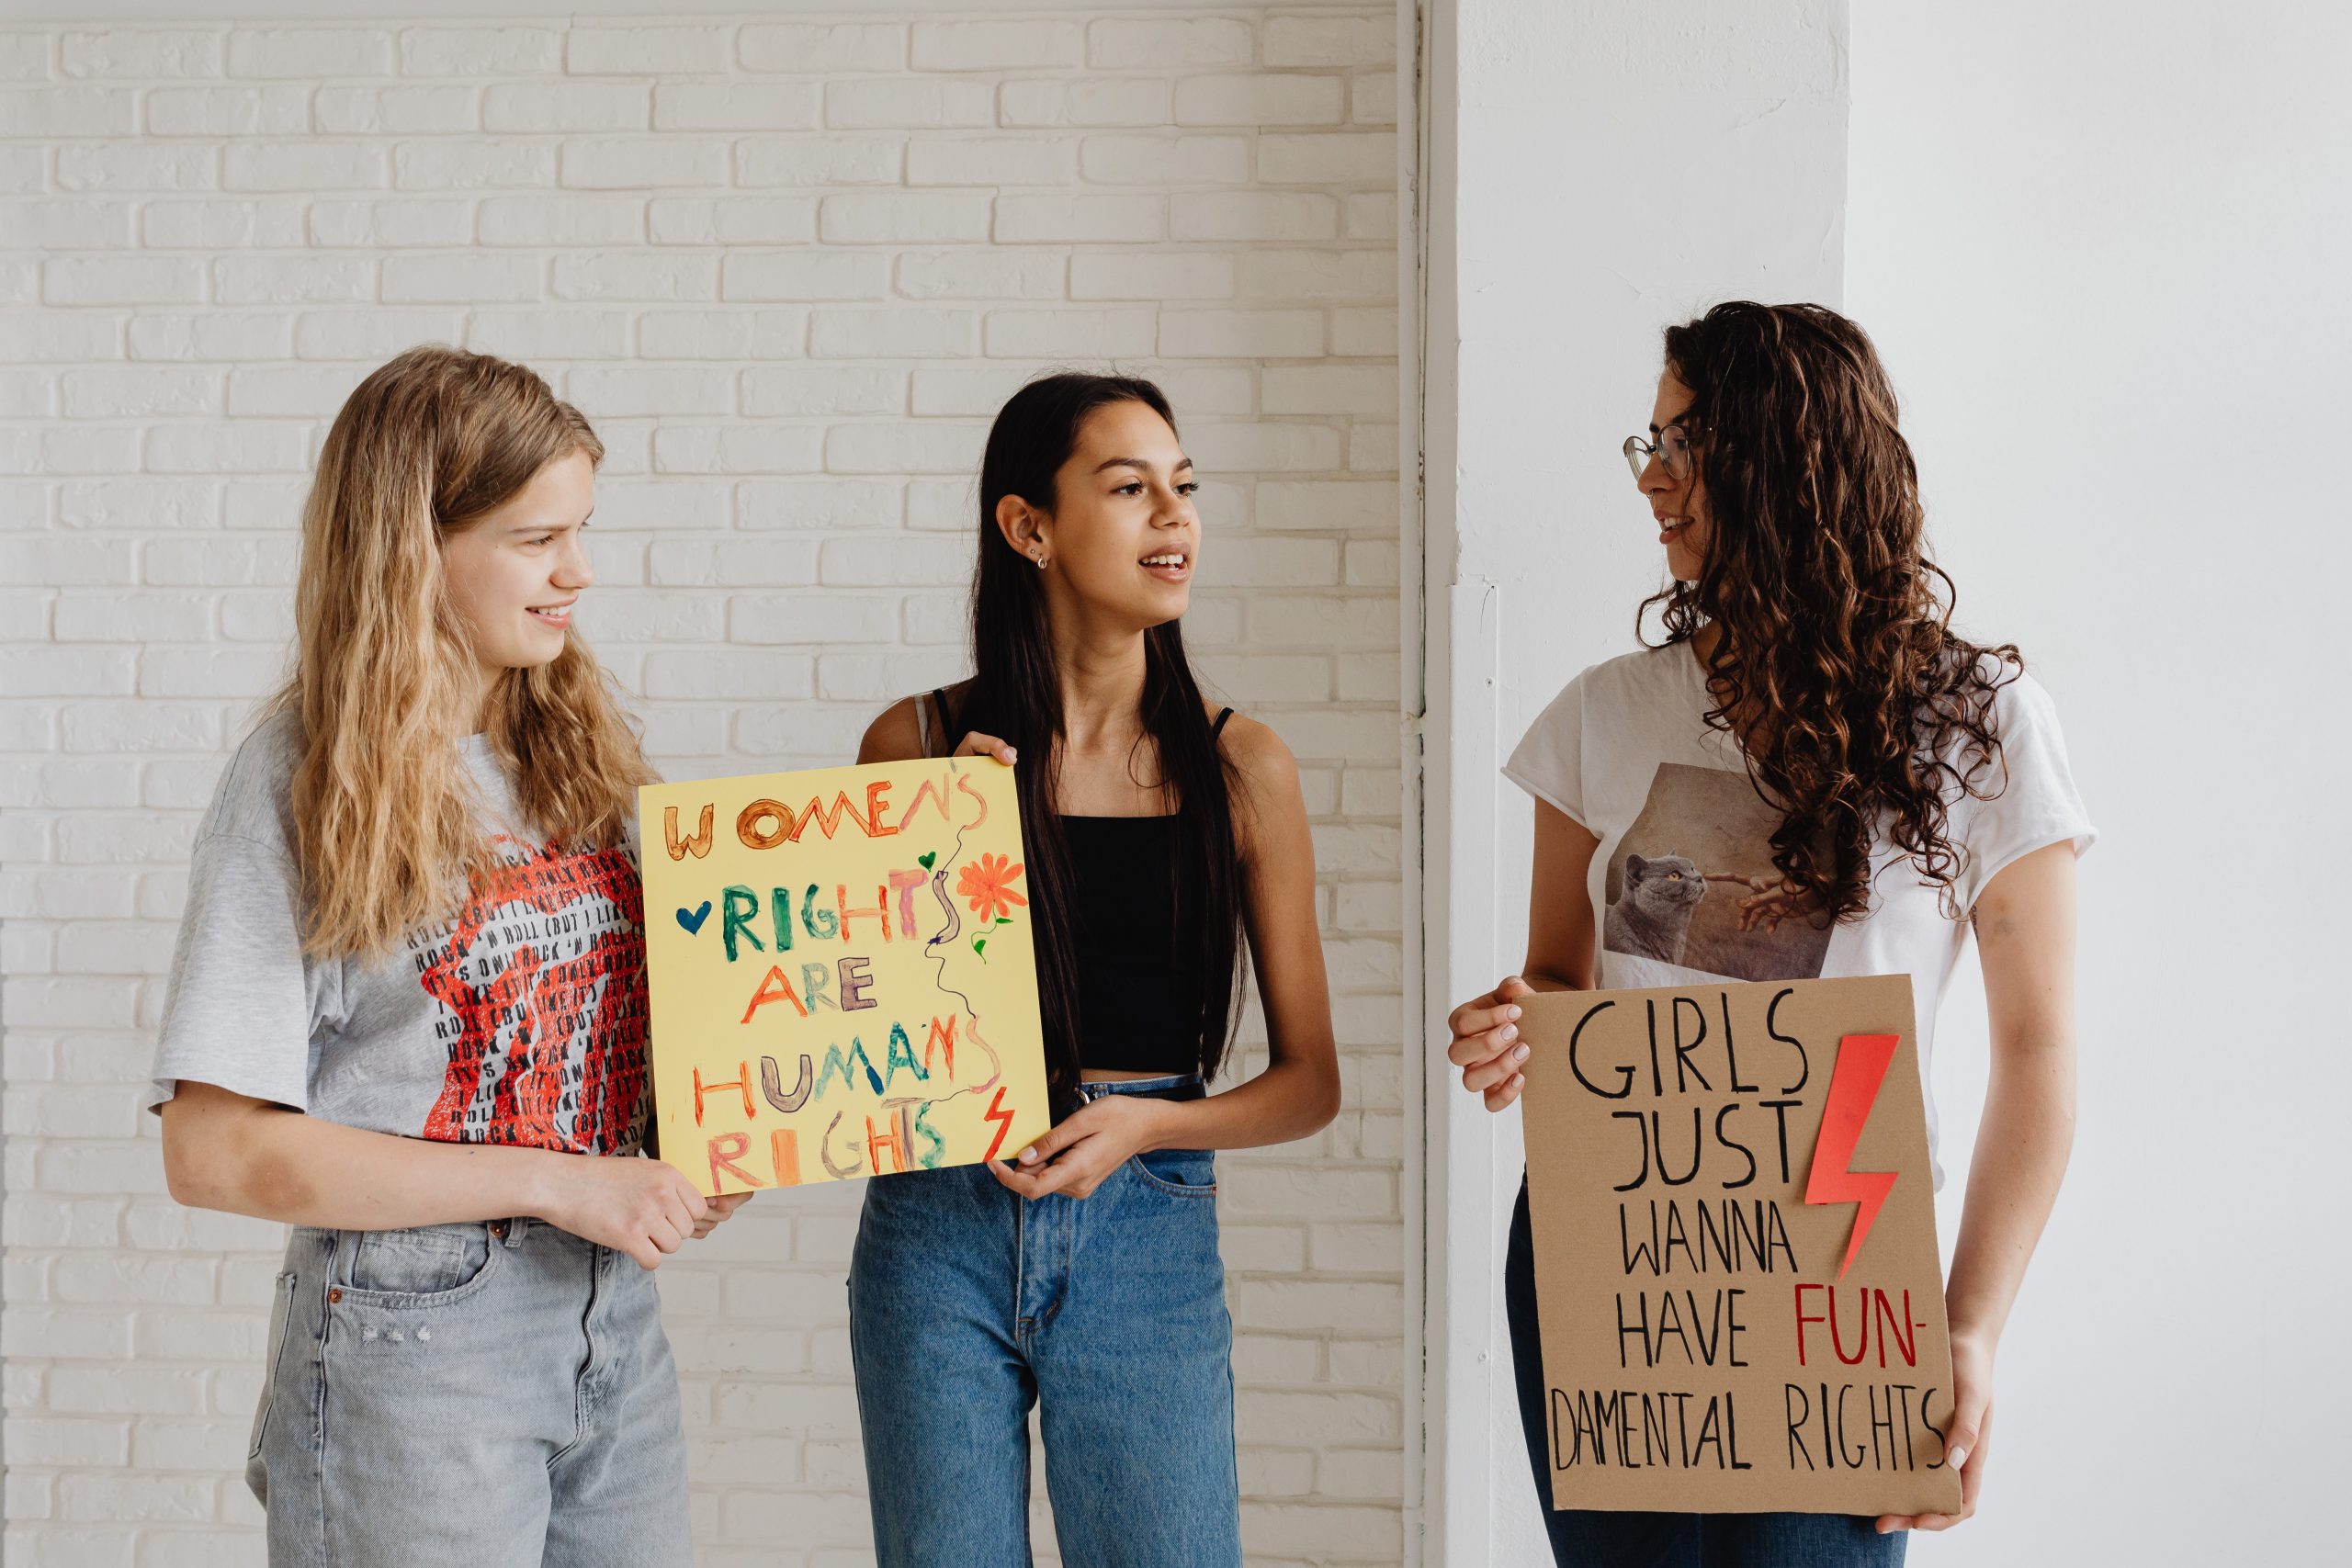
(1583, 1537)
(967, 1305)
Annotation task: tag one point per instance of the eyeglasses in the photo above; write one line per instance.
(1672, 448)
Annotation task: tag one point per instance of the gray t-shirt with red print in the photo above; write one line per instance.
(520, 1020)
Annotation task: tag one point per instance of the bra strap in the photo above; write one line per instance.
(1217, 729)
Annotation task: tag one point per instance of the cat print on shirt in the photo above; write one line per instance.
(1652, 919)
(1690, 884)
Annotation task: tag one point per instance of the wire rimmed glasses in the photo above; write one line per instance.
(1671, 447)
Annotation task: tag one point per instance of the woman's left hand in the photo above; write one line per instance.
(1968, 1436)
(1078, 1154)
(720, 1207)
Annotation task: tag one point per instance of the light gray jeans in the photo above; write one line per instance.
(493, 1396)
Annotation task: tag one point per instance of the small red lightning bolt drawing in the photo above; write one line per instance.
(1004, 1120)
(1853, 1089)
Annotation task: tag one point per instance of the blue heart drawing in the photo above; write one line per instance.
(693, 923)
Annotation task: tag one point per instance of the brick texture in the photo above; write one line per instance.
(789, 268)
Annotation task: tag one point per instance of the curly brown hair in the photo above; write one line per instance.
(1856, 704)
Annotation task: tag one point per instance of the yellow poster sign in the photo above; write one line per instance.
(841, 974)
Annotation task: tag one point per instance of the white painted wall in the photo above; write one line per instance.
(1597, 171)
(789, 267)
(2104, 252)
(207, 12)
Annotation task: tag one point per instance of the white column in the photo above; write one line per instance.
(1593, 172)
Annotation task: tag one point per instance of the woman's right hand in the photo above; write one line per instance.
(975, 744)
(720, 1207)
(642, 1207)
(1485, 1044)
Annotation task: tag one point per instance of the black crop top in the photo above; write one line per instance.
(1138, 1001)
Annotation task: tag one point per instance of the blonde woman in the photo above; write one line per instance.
(407, 1015)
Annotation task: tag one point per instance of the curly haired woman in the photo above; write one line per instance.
(1878, 786)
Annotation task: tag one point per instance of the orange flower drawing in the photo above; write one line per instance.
(987, 882)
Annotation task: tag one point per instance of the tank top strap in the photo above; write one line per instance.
(1217, 730)
(947, 735)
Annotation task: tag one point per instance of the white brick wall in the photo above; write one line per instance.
(789, 268)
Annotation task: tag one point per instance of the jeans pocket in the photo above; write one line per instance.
(281, 1307)
(421, 1268)
(1190, 1173)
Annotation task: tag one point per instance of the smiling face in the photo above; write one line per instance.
(1121, 540)
(1679, 505)
(515, 571)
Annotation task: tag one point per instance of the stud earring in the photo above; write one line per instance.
(1039, 557)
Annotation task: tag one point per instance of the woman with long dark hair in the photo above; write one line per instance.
(1853, 783)
(1084, 1278)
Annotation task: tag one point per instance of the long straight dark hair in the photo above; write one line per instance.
(1016, 694)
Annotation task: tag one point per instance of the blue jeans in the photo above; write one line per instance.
(497, 1396)
(1584, 1538)
(968, 1305)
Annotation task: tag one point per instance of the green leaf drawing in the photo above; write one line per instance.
(1004, 919)
(980, 946)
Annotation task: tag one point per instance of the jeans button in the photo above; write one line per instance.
(335, 1294)
(498, 1230)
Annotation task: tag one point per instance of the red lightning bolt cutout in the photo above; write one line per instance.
(1853, 1089)
(1004, 1120)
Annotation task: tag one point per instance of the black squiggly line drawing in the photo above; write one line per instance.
(948, 935)
(954, 927)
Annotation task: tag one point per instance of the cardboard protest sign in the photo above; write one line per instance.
(839, 971)
(1741, 1301)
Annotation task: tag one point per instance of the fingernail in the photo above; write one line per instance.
(1514, 1010)
(1509, 1033)
(1520, 1055)
(1959, 1458)
(1028, 1157)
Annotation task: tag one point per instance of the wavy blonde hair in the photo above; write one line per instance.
(386, 817)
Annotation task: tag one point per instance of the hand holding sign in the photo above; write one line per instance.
(1736, 1274)
(1970, 1435)
(976, 744)
(1080, 1153)
(1485, 1044)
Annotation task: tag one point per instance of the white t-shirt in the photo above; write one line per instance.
(1625, 750)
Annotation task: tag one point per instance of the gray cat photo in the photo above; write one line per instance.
(1652, 918)
(1698, 827)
